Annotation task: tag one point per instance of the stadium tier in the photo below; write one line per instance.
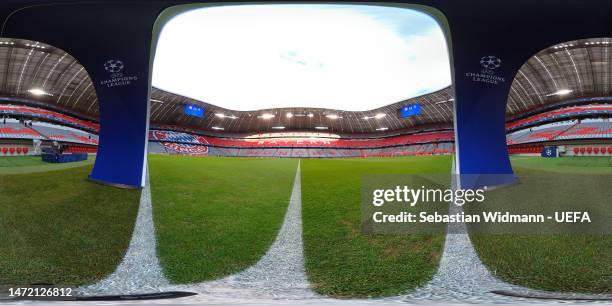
(588, 129)
(566, 130)
(427, 149)
(565, 113)
(64, 134)
(40, 114)
(307, 142)
(288, 145)
(323, 145)
(12, 129)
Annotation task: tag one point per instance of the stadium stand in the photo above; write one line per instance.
(40, 114)
(177, 137)
(566, 130)
(565, 113)
(314, 145)
(589, 129)
(299, 145)
(227, 151)
(282, 153)
(303, 141)
(546, 132)
(64, 134)
(156, 148)
(12, 129)
(299, 153)
(181, 148)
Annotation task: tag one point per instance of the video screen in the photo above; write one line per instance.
(410, 110)
(194, 110)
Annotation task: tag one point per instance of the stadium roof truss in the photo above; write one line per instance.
(36, 72)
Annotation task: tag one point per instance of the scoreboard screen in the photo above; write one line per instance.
(410, 110)
(194, 110)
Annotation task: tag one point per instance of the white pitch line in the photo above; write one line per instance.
(280, 273)
(139, 271)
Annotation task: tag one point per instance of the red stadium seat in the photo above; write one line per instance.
(5, 150)
(25, 151)
(589, 150)
(596, 150)
(610, 150)
(12, 150)
(576, 150)
(18, 151)
(582, 150)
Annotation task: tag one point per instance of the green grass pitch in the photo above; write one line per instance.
(340, 260)
(56, 227)
(32, 164)
(570, 262)
(217, 216)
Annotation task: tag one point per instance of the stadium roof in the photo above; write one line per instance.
(41, 73)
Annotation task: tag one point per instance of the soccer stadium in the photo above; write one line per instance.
(193, 175)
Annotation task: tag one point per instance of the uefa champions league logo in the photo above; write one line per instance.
(490, 62)
(487, 74)
(115, 68)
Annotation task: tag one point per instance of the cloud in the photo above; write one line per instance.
(330, 56)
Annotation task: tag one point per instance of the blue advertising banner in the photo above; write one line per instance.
(549, 152)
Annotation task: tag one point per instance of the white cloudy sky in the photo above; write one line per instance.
(344, 57)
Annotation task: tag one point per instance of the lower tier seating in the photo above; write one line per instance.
(426, 149)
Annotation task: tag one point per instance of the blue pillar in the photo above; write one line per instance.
(489, 44)
(113, 43)
(482, 84)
